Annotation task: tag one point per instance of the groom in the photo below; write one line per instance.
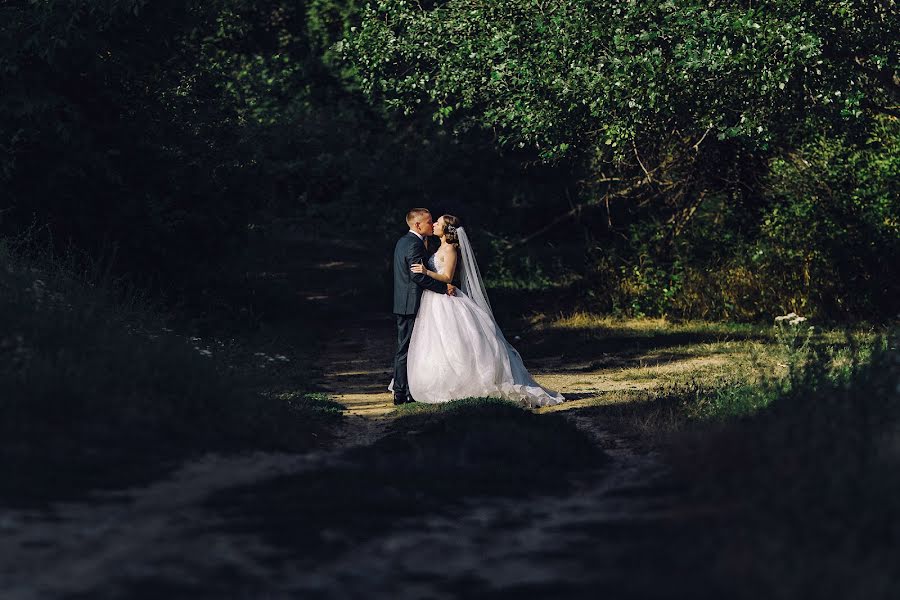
(412, 248)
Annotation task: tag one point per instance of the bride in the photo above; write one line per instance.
(457, 349)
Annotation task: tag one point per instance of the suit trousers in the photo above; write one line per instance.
(404, 335)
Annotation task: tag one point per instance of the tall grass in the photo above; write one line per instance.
(89, 371)
(812, 461)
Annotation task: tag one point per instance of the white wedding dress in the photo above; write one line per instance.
(458, 351)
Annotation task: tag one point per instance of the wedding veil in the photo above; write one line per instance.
(469, 276)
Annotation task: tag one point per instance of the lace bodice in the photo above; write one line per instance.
(436, 263)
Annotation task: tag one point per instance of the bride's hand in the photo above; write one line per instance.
(418, 268)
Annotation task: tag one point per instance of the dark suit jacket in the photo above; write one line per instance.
(408, 286)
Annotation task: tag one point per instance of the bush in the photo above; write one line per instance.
(814, 475)
(820, 236)
(85, 377)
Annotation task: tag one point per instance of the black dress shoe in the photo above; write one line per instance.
(398, 399)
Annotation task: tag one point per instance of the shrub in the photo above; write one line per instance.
(84, 377)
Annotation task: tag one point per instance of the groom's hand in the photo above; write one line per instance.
(451, 289)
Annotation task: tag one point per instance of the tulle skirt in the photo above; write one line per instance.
(458, 351)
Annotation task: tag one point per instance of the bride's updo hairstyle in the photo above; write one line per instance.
(450, 225)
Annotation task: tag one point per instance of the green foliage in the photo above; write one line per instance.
(834, 224)
(683, 123)
(820, 238)
(328, 23)
(602, 77)
(726, 161)
(813, 366)
(519, 271)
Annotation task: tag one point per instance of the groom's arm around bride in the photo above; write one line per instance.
(408, 286)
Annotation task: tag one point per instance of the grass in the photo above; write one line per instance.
(605, 326)
(652, 378)
(678, 353)
(641, 327)
(798, 430)
(94, 386)
(585, 337)
(815, 472)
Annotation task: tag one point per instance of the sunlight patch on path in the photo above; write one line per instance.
(357, 362)
(356, 366)
(588, 388)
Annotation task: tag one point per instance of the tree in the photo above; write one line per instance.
(647, 92)
(679, 117)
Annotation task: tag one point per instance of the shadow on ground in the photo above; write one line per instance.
(474, 498)
(571, 350)
(427, 464)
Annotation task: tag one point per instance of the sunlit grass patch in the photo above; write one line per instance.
(312, 401)
(710, 385)
(656, 352)
(588, 341)
(441, 408)
(641, 327)
(663, 371)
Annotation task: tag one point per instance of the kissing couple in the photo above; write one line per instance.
(448, 344)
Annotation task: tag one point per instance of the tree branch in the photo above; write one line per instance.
(696, 146)
(891, 111)
(634, 145)
(574, 212)
(885, 76)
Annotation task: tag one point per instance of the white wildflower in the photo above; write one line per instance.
(786, 317)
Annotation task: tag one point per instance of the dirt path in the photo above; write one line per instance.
(356, 367)
(603, 536)
(216, 527)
